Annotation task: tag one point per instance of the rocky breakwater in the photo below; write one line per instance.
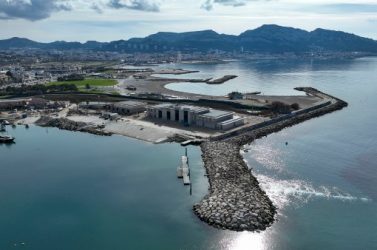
(235, 201)
(221, 80)
(66, 124)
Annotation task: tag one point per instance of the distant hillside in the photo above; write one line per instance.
(17, 42)
(265, 39)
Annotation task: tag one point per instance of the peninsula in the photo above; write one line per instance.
(221, 125)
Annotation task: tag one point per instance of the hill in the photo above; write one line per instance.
(265, 39)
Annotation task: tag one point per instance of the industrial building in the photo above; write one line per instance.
(121, 108)
(195, 116)
(94, 105)
(128, 107)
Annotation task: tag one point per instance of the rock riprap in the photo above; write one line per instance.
(66, 124)
(235, 201)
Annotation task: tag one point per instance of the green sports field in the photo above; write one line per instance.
(92, 83)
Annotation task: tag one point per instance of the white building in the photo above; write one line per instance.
(195, 116)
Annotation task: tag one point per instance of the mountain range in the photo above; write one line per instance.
(265, 39)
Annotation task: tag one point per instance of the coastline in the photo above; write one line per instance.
(235, 200)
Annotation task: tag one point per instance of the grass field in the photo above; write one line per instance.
(92, 83)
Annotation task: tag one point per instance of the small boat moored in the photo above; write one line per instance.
(6, 139)
(4, 122)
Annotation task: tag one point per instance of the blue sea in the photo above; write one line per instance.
(70, 190)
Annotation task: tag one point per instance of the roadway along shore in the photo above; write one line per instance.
(236, 201)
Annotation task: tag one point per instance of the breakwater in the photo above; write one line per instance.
(221, 80)
(235, 200)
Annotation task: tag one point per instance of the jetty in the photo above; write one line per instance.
(221, 80)
(235, 200)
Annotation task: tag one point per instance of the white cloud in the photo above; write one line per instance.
(31, 10)
(96, 20)
(143, 5)
(209, 4)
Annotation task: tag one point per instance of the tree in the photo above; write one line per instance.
(295, 106)
(280, 107)
(87, 86)
(235, 95)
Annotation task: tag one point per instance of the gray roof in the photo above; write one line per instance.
(163, 105)
(216, 113)
(128, 104)
(236, 119)
(193, 108)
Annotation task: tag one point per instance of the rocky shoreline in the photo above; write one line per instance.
(235, 200)
(66, 124)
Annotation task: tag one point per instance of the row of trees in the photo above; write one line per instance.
(71, 77)
(37, 89)
(283, 108)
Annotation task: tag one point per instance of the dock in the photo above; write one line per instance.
(183, 171)
(182, 166)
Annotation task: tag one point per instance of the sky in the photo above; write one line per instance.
(109, 20)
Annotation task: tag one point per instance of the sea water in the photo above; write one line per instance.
(70, 190)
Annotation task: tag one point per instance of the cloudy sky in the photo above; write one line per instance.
(106, 20)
